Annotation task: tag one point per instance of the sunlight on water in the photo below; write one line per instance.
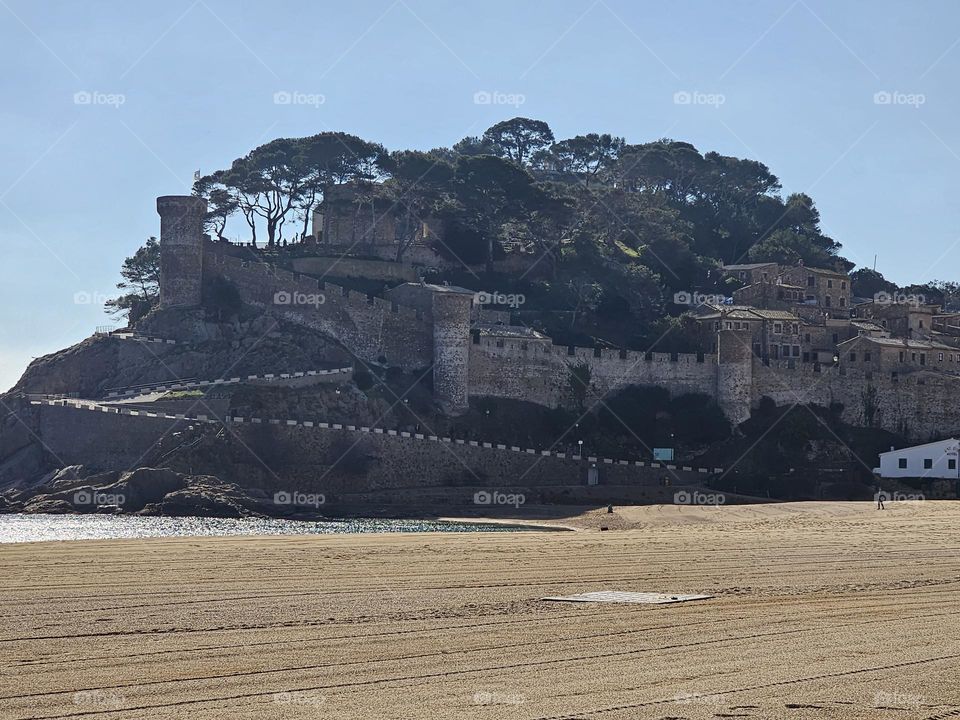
(31, 528)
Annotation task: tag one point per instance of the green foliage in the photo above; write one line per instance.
(610, 229)
(141, 278)
(867, 283)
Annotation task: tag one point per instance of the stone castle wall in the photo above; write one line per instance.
(919, 405)
(372, 328)
(538, 371)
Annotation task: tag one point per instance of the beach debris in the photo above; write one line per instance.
(618, 596)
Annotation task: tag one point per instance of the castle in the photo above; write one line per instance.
(798, 343)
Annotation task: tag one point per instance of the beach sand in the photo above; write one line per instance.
(821, 610)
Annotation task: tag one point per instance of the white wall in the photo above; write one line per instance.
(940, 453)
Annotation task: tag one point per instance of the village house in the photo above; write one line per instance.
(824, 291)
(931, 460)
(775, 334)
(896, 356)
(902, 319)
(753, 272)
(769, 295)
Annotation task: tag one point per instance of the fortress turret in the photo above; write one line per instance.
(735, 374)
(451, 347)
(181, 249)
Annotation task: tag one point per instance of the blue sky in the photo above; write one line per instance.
(179, 86)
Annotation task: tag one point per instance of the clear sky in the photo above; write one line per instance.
(169, 88)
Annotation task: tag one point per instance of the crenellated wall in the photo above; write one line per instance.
(919, 405)
(537, 371)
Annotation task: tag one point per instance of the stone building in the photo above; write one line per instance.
(896, 356)
(824, 291)
(773, 333)
(769, 295)
(752, 272)
(903, 319)
(354, 218)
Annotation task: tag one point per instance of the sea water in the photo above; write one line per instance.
(31, 528)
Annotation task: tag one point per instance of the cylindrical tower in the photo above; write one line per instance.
(735, 374)
(451, 348)
(181, 249)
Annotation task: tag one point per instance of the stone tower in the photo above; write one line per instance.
(735, 374)
(181, 249)
(451, 348)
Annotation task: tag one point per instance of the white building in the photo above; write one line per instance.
(934, 460)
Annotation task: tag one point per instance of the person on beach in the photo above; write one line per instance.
(880, 495)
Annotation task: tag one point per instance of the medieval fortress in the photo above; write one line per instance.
(794, 335)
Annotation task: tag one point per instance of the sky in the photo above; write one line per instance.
(106, 105)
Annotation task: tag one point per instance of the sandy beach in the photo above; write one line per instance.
(821, 610)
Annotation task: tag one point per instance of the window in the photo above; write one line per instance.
(777, 328)
(736, 325)
(913, 357)
(806, 338)
(843, 284)
(729, 325)
(716, 324)
(921, 324)
(927, 463)
(828, 301)
(786, 351)
(923, 358)
(902, 463)
(952, 464)
(829, 283)
(901, 356)
(853, 357)
(866, 357)
(843, 302)
(811, 281)
(940, 357)
(746, 326)
(796, 351)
